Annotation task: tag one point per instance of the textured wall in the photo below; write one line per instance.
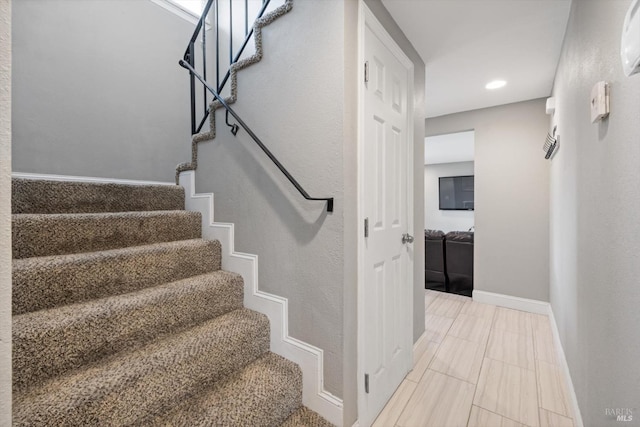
(511, 196)
(351, 223)
(595, 200)
(301, 101)
(97, 90)
(293, 101)
(419, 114)
(5, 212)
(434, 218)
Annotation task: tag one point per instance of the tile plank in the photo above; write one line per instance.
(552, 389)
(471, 328)
(429, 297)
(543, 342)
(511, 348)
(459, 358)
(478, 309)
(438, 400)
(551, 419)
(436, 327)
(445, 307)
(419, 349)
(483, 418)
(509, 391)
(423, 363)
(510, 320)
(396, 405)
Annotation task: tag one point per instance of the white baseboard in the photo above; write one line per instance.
(508, 301)
(544, 308)
(70, 178)
(565, 370)
(309, 358)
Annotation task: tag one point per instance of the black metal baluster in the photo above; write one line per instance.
(246, 17)
(192, 85)
(265, 4)
(217, 45)
(220, 84)
(204, 60)
(230, 32)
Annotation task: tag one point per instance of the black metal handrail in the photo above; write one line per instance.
(220, 99)
(189, 54)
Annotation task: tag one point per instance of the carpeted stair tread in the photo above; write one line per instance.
(46, 282)
(50, 197)
(264, 393)
(305, 417)
(48, 343)
(122, 315)
(128, 388)
(35, 235)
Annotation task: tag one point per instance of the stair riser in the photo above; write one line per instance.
(307, 418)
(151, 380)
(265, 393)
(45, 235)
(53, 197)
(40, 283)
(49, 343)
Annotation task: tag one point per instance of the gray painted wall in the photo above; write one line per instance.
(97, 90)
(511, 254)
(292, 99)
(595, 200)
(306, 113)
(434, 218)
(5, 212)
(351, 222)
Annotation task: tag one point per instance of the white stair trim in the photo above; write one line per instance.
(309, 358)
(544, 308)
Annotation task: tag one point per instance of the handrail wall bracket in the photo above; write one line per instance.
(253, 136)
(189, 62)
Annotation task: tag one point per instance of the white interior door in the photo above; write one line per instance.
(386, 259)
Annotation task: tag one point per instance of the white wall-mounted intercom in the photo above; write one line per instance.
(630, 44)
(599, 101)
(551, 105)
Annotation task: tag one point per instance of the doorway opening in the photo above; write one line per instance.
(449, 185)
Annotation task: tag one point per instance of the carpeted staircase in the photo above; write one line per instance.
(123, 316)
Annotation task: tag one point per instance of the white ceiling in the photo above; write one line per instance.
(449, 148)
(467, 43)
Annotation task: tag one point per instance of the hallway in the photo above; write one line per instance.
(481, 366)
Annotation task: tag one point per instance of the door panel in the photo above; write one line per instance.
(386, 259)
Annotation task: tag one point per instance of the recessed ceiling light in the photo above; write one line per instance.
(496, 84)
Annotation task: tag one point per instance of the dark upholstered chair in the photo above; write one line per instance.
(459, 256)
(434, 264)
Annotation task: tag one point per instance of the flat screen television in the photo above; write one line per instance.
(456, 193)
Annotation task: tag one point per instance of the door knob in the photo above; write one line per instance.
(407, 238)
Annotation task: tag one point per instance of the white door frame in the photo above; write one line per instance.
(366, 18)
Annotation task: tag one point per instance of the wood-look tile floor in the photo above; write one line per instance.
(481, 366)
